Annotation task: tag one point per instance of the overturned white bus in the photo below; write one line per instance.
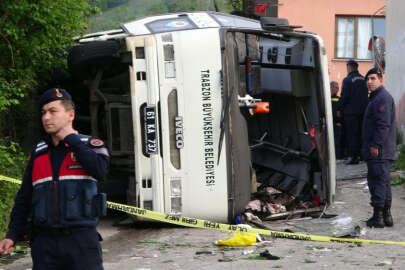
(173, 96)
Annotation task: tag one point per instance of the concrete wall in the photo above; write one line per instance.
(318, 16)
(395, 57)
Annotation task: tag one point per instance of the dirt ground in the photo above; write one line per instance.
(156, 246)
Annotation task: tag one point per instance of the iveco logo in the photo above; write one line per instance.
(179, 132)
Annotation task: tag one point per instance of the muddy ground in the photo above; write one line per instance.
(157, 246)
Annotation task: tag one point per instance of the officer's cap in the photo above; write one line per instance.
(52, 95)
(374, 70)
(352, 62)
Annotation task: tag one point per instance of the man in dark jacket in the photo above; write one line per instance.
(379, 148)
(352, 103)
(59, 193)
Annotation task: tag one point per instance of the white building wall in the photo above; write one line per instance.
(395, 57)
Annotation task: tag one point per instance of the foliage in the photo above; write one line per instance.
(111, 18)
(12, 163)
(400, 163)
(106, 4)
(399, 180)
(33, 37)
(236, 4)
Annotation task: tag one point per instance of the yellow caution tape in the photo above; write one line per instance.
(205, 224)
(9, 179)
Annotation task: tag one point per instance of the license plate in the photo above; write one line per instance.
(151, 141)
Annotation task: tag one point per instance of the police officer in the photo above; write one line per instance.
(379, 148)
(352, 103)
(59, 193)
(337, 121)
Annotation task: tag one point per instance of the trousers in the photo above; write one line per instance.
(378, 179)
(352, 124)
(67, 250)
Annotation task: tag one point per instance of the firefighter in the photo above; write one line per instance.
(337, 121)
(59, 192)
(379, 148)
(352, 104)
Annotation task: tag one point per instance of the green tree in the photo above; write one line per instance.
(12, 163)
(33, 36)
(157, 7)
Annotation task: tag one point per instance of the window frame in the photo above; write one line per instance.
(356, 37)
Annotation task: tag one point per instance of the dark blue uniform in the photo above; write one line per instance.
(55, 246)
(352, 104)
(379, 131)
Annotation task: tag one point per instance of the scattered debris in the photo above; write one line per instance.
(262, 208)
(136, 258)
(318, 248)
(266, 254)
(272, 204)
(309, 261)
(205, 252)
(339, 226)
(264, 243)
(188, 245)
(385, 262)
(225, 258)
(246, 252)
(251, 217)
(238, 239)
(256, 257)
(294, 212)
(338, 202)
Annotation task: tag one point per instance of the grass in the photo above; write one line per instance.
(400, 180)
(185, 245)
(19, 251)
(148, 241)
(400, 163)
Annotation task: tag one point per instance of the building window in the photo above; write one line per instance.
(353, 35)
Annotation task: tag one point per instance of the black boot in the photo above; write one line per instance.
(387, 216)
(377, 219)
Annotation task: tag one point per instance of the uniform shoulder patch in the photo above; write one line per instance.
(96, 142)
(42, 146)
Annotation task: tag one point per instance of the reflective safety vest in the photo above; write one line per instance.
(65, 200)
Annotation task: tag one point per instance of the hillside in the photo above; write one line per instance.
(114, 12)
